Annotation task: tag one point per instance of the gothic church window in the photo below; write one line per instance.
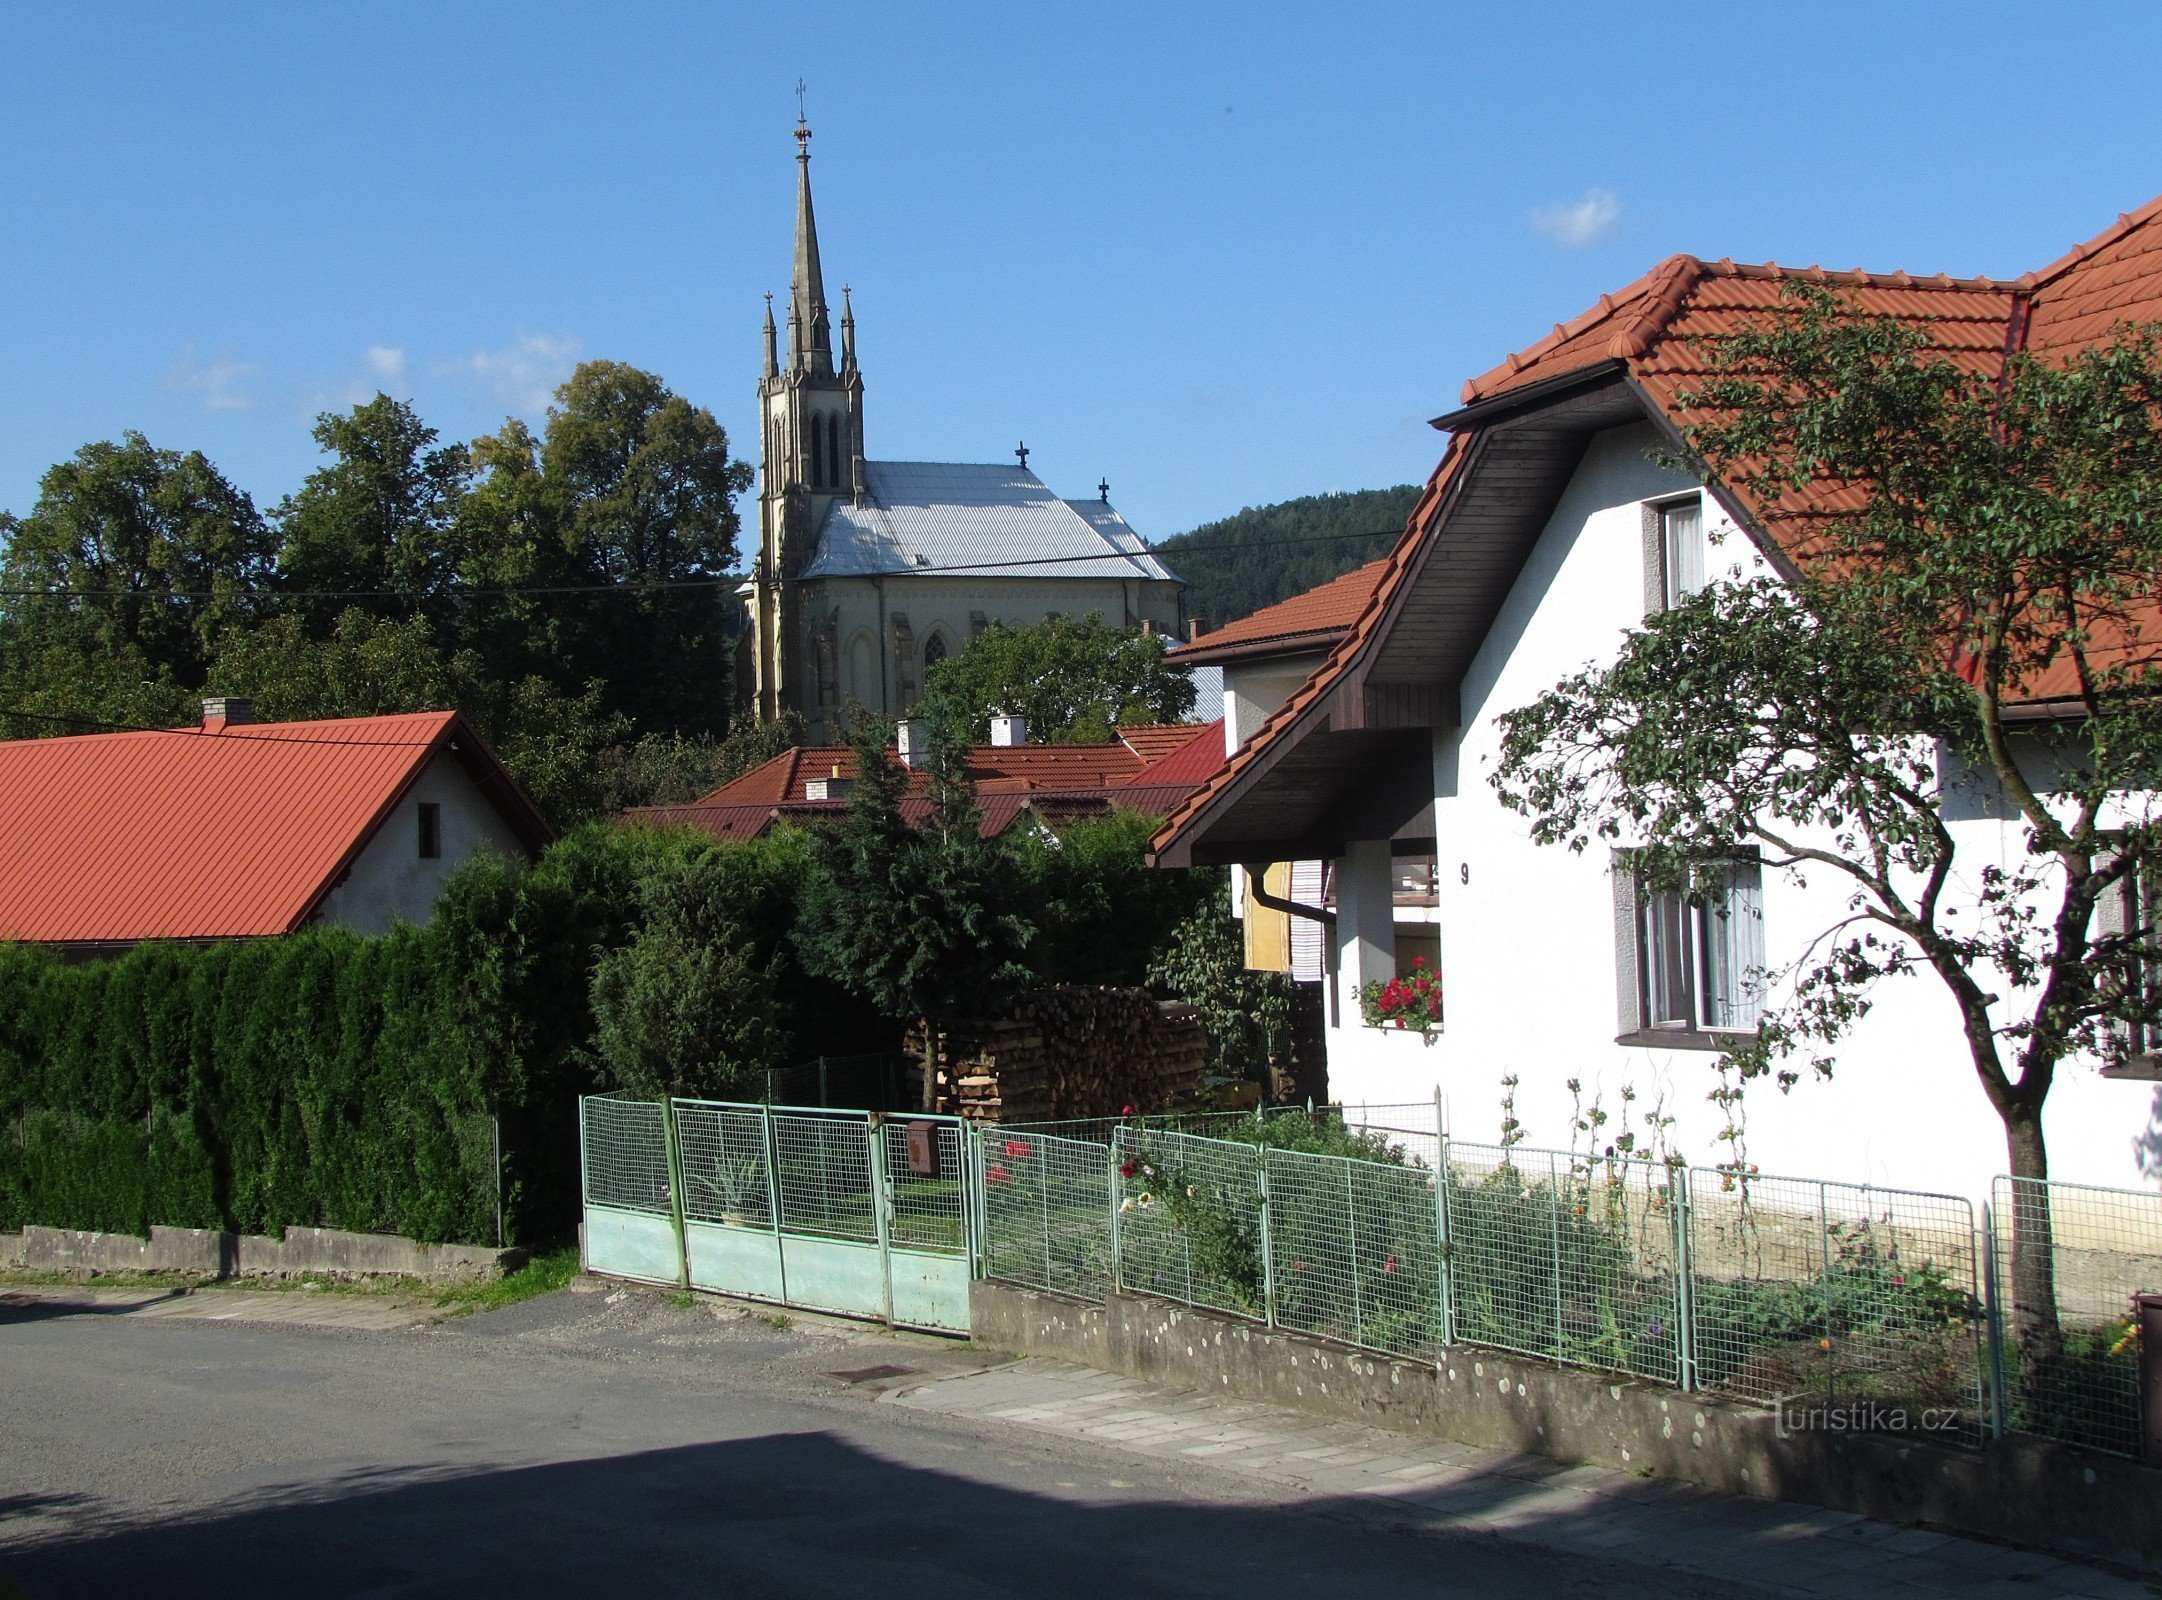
(934, 651)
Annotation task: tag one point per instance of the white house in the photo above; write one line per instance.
(1547, 531)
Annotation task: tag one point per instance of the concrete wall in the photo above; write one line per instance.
(390, 881)
(2025, 1491)
(1529, 951)
(202, 1252)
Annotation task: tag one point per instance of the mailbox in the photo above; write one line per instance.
(923, 1149)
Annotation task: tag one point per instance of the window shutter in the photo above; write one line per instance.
(2110, 918)
(1746, 920)
(1655, 561)
(1628, 985)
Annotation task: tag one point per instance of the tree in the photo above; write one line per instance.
(139, 560)
(2002, 551)
(640, 488)
(1103, 912)
(923, 922)
(1073, 681)
(689, 1005)
(1264, 554)
(379, 516)
(1246, 1014)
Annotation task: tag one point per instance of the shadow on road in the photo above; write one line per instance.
(778, 1515)
(16, 1306)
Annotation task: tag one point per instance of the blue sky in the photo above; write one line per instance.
(1221, 256)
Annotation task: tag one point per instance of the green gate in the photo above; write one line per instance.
(844, 1211)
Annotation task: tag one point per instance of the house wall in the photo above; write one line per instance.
(1529, 944)
(389, 882)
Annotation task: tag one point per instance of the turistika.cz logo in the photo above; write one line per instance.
(1794, 1414)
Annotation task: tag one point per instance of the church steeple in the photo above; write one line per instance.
(811, 347)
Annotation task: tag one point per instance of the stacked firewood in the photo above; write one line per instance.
(1071, 1051)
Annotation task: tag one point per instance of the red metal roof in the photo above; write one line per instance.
(199, 834)
(1308, 622)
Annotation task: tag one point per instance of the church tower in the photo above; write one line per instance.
(810, 455)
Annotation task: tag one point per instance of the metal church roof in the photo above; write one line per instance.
(977, 520)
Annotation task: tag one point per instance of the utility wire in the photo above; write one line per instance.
(663, 585)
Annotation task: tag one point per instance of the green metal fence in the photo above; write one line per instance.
(2068, 1354)
(1802, 1294)
(830, 1210)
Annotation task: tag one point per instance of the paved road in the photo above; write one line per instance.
(623, 1443)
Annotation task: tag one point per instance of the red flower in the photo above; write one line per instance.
(1418, 961)
(1126, 1111)
(1389, 1265)
(997, 1174)
(1016, 1150)
(1128, 1168)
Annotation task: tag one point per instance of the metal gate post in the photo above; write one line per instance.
(881, 1207)
(675, 1191)
(773, 1195)
(585, 1185)
(1111, 1174)
(1993, 1320)
(1445, 1267)
(1681, 1213)
(1268, 1253)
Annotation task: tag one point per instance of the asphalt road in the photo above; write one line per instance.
(589, 1444)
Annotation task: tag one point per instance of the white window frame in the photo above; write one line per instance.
(1682, 548)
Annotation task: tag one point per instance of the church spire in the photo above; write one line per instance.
(773, 354)
(848, 332)
(811, 349)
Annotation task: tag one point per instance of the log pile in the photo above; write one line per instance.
(1071, 1051)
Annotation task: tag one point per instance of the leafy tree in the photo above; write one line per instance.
(672, 769)
(1245, 1013)
(640, 488)
(924, 922)
(380, 515)
(690, 1004)
(2002, 549)
(1073, 680)
(1102, 912)
(162, 552)
(1264, 554)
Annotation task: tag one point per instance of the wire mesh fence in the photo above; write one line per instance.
(1047, 1211)
(1567, 1256)
(1188, 1220)
(926, 1163)
(626, 1153)
(725, 1175)
(822, 1175)
(2069, 1260)
(1808, 1293)
(1354, 1248)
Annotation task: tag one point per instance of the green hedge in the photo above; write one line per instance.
(322, 1079)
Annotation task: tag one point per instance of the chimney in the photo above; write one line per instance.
(913, 739)
(1148, 627)
(1195, 628)
(227, 711)
(1008, 730)
(834, 787)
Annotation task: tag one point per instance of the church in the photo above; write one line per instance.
(871, 572)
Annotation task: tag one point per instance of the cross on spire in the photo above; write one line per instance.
(1020, 452)
(1103, 490)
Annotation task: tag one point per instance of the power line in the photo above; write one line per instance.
(666, 585)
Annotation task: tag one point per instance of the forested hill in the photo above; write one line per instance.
(1268, 553)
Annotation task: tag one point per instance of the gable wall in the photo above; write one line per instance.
(1528, 937)
(389, 881)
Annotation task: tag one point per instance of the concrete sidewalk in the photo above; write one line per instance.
(318, 1308)
(1413, 1481)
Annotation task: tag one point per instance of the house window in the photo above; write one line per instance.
(431, 830)
(1692, 961)
(2132, 908)
(1677, 530)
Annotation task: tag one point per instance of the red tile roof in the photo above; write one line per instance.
(1010, 780)
(1648, 328)
(1306, 622)
(195, 834)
